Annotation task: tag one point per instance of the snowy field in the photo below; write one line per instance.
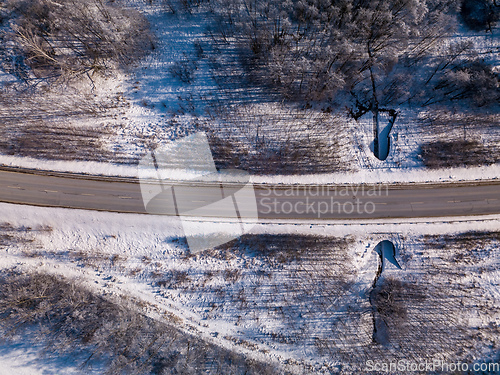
(304, 297)
(255, 296)
(125, 113)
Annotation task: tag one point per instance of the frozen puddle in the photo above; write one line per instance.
(384, 141)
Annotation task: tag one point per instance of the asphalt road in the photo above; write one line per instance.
(273, 202)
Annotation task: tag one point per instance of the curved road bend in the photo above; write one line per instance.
(273, 202)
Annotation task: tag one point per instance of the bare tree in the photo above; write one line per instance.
(63, 39)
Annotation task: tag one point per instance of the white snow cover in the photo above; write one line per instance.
(382, 175)
(154, 97)
(159, 108)
(58, 233)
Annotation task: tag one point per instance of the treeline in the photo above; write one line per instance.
(379, 53)
(480, 14)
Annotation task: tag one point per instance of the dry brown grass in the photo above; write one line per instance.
(459, 153)
(467, 138)
(72, 324)
(48, 126)
(276, 139)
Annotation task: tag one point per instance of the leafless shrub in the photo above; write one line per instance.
(64, 39)
(184, 69)
(32, 253)
(45, 228)
(6, 226)
(133, 272)
(117, 258)
(179, 6)
(155, 274)
(89, 258)
(10, 235)
(389, 300)
(175, 279)
(241, 342)
(231, 275)
(6, 239)
(74, 324)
